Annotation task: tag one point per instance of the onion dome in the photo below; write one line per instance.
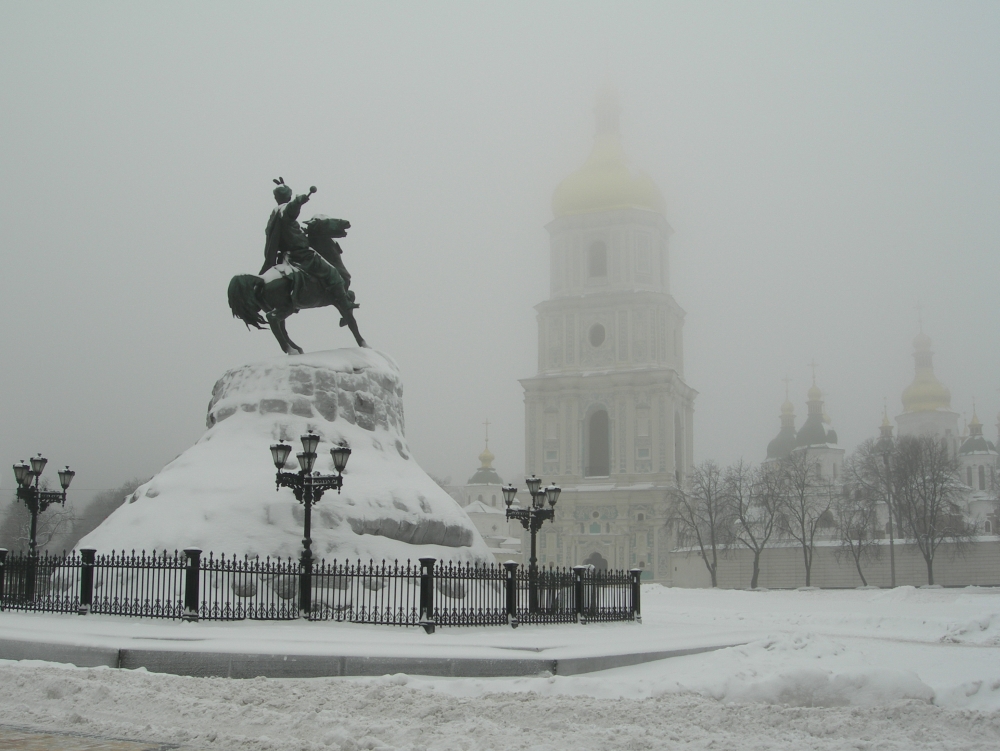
(926, 393)
(486, 475)
(813, 432)
(605, 183)
(976, 443)
(784, 443)
(885, 429)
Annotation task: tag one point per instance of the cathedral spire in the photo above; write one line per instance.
(486, 458)
(784, 442)
(885, 429)
(926, 393)
(607, 111)
(812, 432)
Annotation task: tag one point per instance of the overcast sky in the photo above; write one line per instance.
(826, 168)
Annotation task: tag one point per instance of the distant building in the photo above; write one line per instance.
(813, 437)
(482, 499)
(609, 417)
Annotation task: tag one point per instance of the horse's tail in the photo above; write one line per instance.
(244, 299)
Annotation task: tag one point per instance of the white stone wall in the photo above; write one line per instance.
(782, 567)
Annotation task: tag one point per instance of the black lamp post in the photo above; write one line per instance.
(37, 500)
(308, 487)
(531, 519)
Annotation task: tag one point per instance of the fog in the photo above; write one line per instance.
(826, 167)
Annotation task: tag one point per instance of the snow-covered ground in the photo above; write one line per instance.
(868, 669)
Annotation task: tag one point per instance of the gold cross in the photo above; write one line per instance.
(813, 365)
(487, 424)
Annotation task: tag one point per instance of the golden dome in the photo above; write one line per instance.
(814, 394)
(486, 458)
(605, 183)
(787, 408)
(926, 393)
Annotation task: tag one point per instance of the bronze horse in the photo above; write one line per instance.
(284, 289)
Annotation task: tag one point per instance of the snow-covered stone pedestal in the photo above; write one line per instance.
(219, 495)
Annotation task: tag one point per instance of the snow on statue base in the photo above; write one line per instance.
(219, 495)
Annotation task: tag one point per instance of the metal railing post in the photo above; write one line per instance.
(427, 594)
(510, 584)
(636, 574)
(192, 579)
(581, 615)
(3, 574)
(305, 586)
(86, 580)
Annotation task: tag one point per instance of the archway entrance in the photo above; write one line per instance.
(598, 445)
(596, 560)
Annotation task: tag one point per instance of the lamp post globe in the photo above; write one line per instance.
(279, 454)
(340, 454)
(22, 473)
(38, 464)
(66, 477)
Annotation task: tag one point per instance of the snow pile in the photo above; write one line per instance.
(815, 670)
(219, 495)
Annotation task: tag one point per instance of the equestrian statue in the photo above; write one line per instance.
(302, 269)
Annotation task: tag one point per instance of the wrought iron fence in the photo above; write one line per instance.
(191, 586)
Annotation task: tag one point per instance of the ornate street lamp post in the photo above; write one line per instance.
(37, 500)
(531, 519)
(308, 487)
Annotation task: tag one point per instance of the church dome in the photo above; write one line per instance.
(485, 475)
(605, 182)
(976, 443)
(926, 393)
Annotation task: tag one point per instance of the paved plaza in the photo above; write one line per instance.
(24, 739)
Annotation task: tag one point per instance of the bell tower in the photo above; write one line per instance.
(608, 415)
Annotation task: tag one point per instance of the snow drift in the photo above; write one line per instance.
(220, 496)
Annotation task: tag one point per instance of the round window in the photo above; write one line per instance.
(595, 514)
(596, 335)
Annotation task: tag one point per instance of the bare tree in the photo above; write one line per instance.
(856, 511)
(805, 502)
(926, 490)
(868, 472)
(752, 500)
(699, 513)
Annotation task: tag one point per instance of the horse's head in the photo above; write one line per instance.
(244, 299)
(322, 228)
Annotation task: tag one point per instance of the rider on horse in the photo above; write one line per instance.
(287, 242)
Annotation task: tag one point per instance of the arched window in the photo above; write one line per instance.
(641, 517)
(480, 498)
(982, 477)
(596, 560)
(988, 527)
(968, 476)
(493, 499)
(597, 260)
(598, 445)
